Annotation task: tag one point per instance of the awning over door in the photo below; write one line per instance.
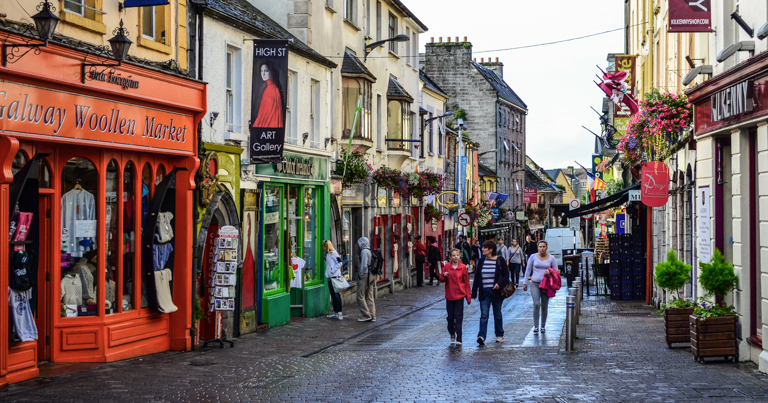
(611, 201)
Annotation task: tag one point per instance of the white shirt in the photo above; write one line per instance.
(23, 319)
(77, 204)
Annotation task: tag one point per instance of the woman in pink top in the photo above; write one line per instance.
(538, 267)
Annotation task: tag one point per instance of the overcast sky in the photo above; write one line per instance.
(555, 81)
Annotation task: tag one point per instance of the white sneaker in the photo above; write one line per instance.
(535, 330)
(458, 343)
(332, 315)
(543, 330)
(453, 338)
(339, 316)
(499, 339)
(364, 319)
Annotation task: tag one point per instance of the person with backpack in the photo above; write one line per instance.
(491, 276)
(434, 257)
(420, 252)
(366, 283)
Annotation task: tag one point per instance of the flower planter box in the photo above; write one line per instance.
(714, 337)
(677, 327)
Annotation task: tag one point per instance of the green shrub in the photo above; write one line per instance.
(717, 277)
(673, 274)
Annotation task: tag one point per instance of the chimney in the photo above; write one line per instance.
(465, 39)
(432, 40)
(448, 40)
(570, 170)
(457, 39)
(441, 39)
(497, 60)
(482, 60)
(474, 59)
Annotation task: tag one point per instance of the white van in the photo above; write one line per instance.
(559, 239)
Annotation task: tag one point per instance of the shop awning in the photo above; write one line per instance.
(494, 229)
(351, 66)
(611, 201)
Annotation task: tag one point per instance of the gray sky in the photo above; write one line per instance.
(555, 81)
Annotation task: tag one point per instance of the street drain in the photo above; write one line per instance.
(263, 382)
(562, 400)
(201, 363)
(720, 392)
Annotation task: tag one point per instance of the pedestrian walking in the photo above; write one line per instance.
(456, 279)
(420, 253)
(333, 265)
(476, 254)
(491, 276)
(366, 283)
(464, 249)
(538, 268)
(529, 248)
(434, 257)
(516, 260)
(502, 249)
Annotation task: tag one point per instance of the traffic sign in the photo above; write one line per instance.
(588, 216)
(464, 219)
(575, 204)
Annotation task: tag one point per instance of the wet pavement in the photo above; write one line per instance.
(406, 356)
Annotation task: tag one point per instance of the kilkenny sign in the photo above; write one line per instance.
(29, 111)
(267, 124)
(732, 101)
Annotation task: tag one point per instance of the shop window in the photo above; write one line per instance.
(154, 22)
(233, 90)
(18, 162)
(113, 237)
(147, 186)
(399, 124)
(79, 244)
(45, 176)
(128, 236)
(274, 276)
(294, 218)
(160, 174)
(352, 90)
(309, 242)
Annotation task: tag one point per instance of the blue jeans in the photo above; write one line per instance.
(485, 307)
(515, 269)
(335, 297)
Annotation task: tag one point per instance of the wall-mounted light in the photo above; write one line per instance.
(328, 140)
(743, 24)
(213, 117)
(706, 69)
(762, 33)
(45, 22)
(743, 46)
(304, 138)
(120, 45)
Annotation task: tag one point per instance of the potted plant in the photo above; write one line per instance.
(713, 326)
(671, 276)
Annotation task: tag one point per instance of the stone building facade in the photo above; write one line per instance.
(495, 114)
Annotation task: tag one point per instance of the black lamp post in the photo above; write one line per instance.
(45, 22)
(120, 45)
(371, 47)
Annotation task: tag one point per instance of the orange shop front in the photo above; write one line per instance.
(96, 190)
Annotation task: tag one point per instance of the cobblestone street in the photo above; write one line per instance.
(406, 356)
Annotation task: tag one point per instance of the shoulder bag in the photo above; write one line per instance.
(340, 284)
(508, 289)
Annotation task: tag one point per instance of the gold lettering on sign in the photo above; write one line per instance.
(296, 166)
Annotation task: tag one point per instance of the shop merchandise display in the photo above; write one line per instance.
(78, 220)
(161, 252)
(297, 264)
(23, 320)
(224, 276)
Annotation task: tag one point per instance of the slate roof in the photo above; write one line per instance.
(352, 66)
(553, 173)
(533, 180)
(431, 84)
(395, 90)
(484, 170)
(500, 85)
(409, 14)
(249, 18)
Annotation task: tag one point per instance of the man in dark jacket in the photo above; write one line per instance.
(434, 257)
(463, 247)
(491, 276)
(530, 248)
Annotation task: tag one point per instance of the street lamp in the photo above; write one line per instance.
(120, 45)
(487, 152)
(371, 47)
(45, 22)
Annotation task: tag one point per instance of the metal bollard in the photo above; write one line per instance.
(578, 300)
(572, 294)
(577, 286)
(569, 326)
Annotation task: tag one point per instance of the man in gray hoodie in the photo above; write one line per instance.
(366, 283)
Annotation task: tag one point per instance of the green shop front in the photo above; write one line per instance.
(294, 220)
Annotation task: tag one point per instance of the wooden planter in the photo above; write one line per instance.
(677, 327)
(714, 337)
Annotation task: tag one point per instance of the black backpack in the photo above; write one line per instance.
(377, 262)
(20, 276)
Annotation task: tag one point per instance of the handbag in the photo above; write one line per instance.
(340, 284)
(508, 290)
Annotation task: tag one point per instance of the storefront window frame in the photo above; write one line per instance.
(282, 287)
(319, 260)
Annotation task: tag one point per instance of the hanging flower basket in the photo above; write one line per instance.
(431, 212)
(389, 178)
(358, 170)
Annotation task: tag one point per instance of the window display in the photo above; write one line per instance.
(128, 235)
(273, 248)
(309, 251)
(111, 211)
(147, 186)
(79, 246)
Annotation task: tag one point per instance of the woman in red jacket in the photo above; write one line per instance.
(420, 252)
(456, 279)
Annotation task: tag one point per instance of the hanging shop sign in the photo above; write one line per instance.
(520, 216)
(654, 188)
(530, 195)
(732, 101)
(36, 111)
(267, 124)
(621, 223)
(449, 205)
(296, 166)
(690, 16)
(622, 111)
